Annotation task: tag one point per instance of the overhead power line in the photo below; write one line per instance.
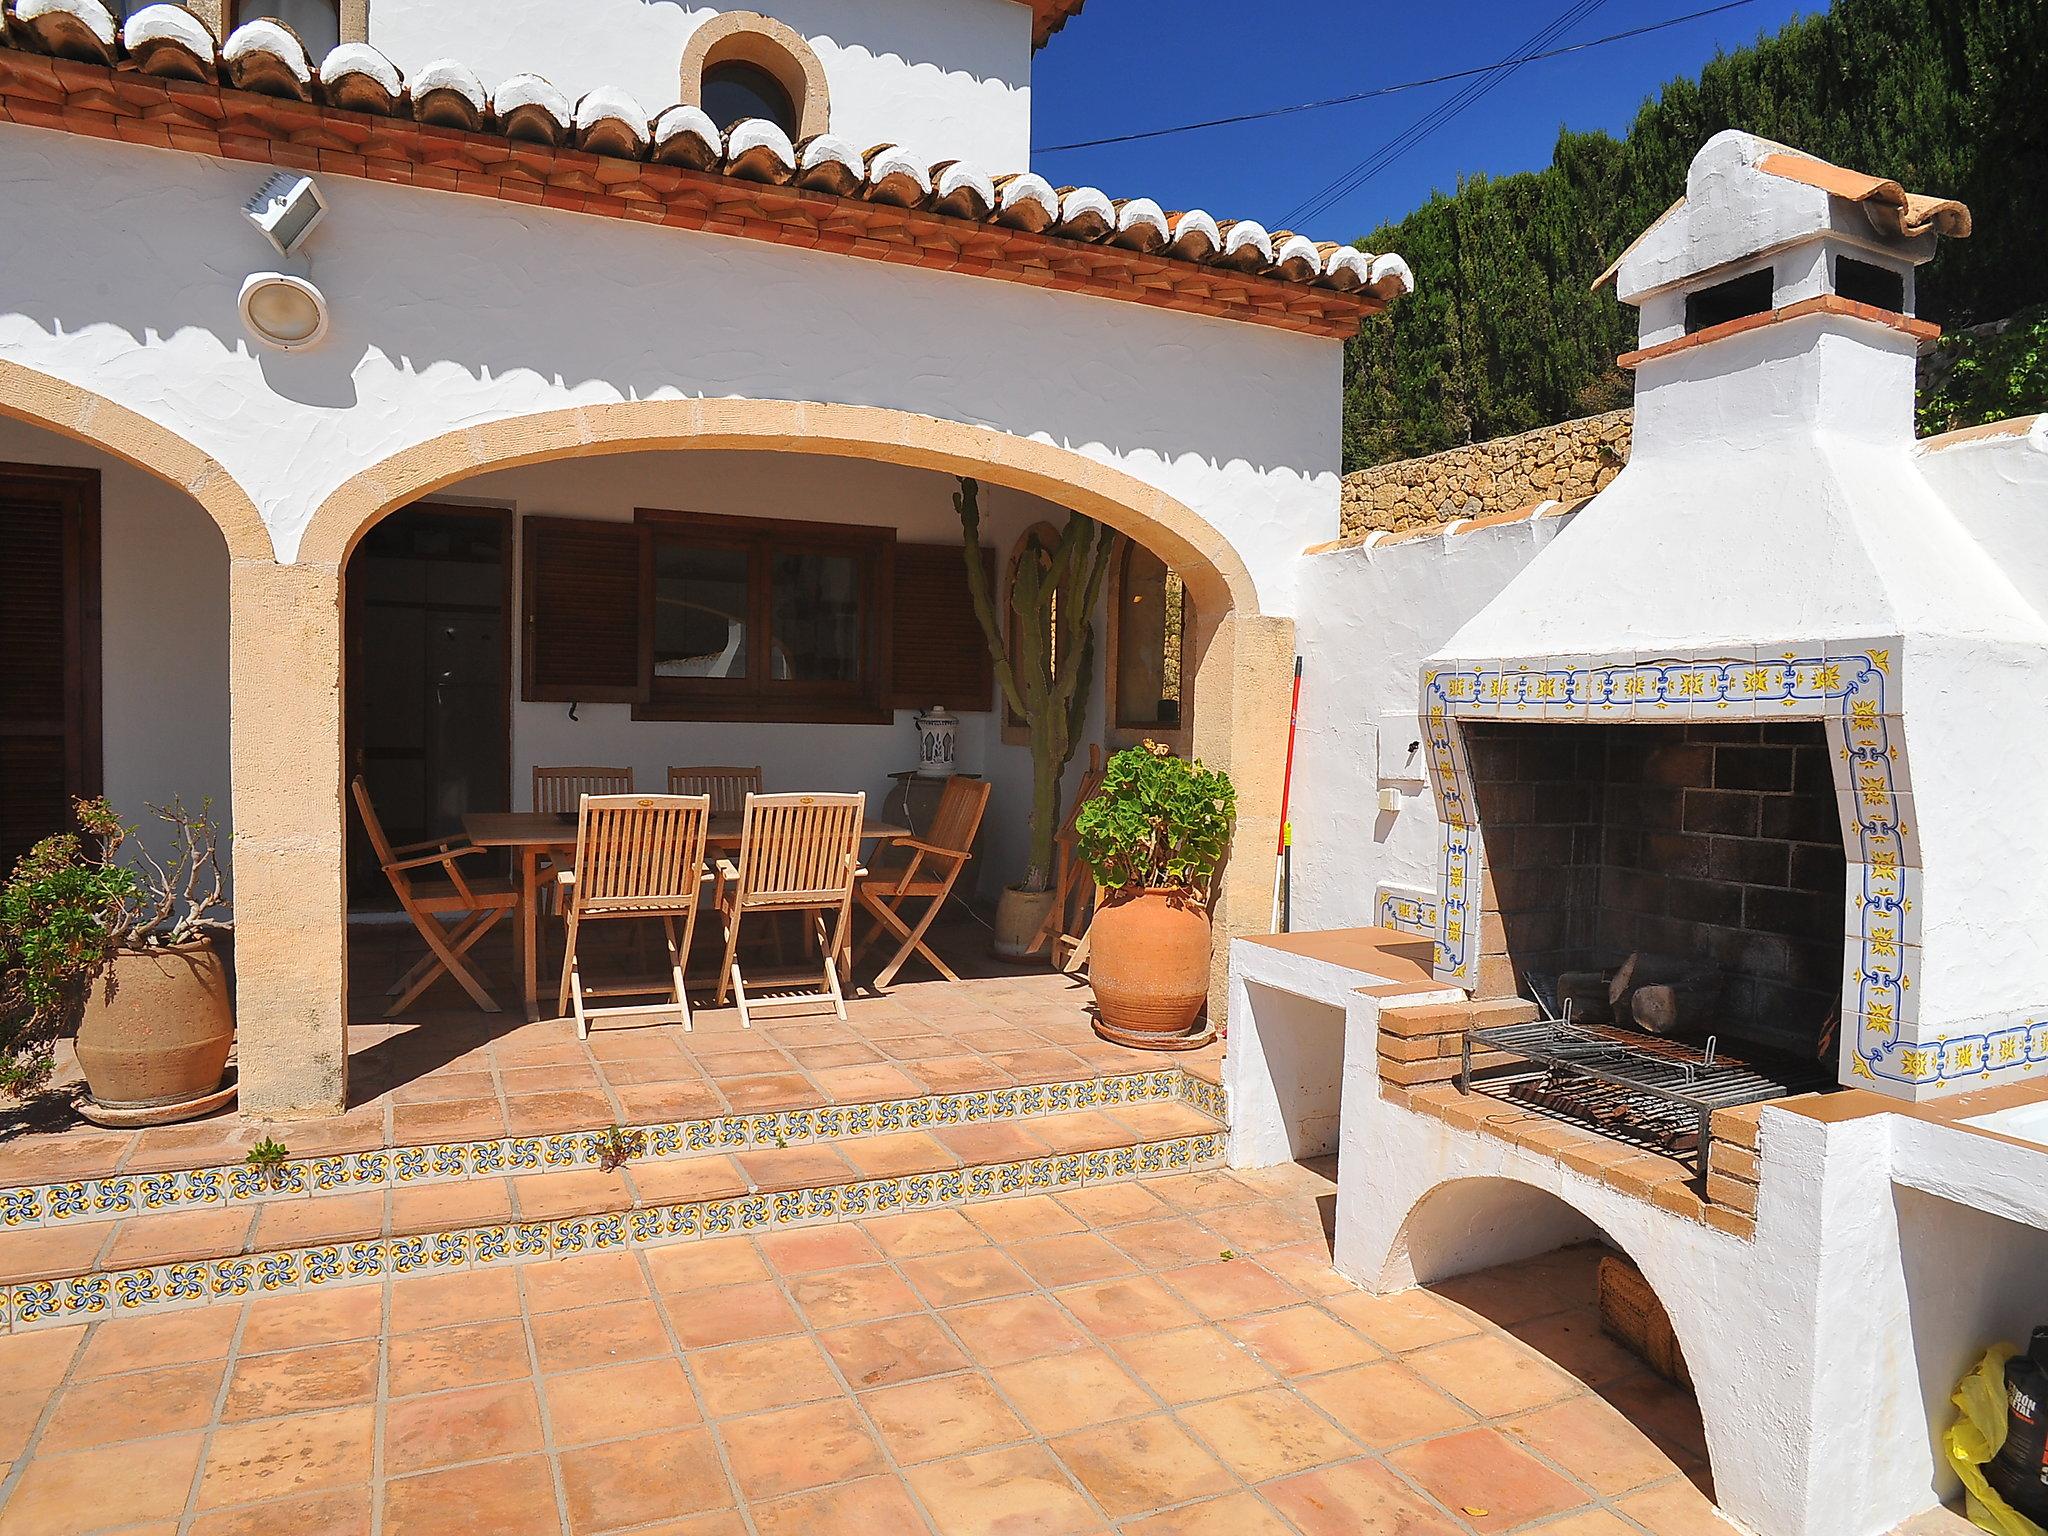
(1391, 90)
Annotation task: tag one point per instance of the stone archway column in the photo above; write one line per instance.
(291, 930)
(1244, 675)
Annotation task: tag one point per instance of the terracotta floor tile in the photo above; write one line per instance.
(1237, 1514)
(1020, 1490)
(514, 1497)
(1014, 1328)
(332, 1512)
(1573, 1341)
(119, 1486)
(777, 1090)
(1595, 1443)
(1488, 1479)
(133, 1406)
(468, 1296)
(283, 1456)
(1508, 1294)
(849, 1054)
(1675, 1508)
(326, 1219)
(421, 1433)
(805, 1250)
(759, 1060)
(620, 1400)
(1267, 1434)
(594, 1336)
(639, 1071)
(731, 1314)
(1142, 1465)
(1117, 1309)
(1230, 1288)
(977, 1274)
(586, 1280)
(414, 1125)
(882, 1157)
(294, 1380)
(869, 1081)
(1111, 1205)
(1604, 1522)
(1405, 1320)
(158, 1239)
(631, 1482)
(1384, 1403)
(999, 1037)
(895, 1349)
(43, 1253)
(550, 1196)
(925, 1420)
(830, 1300)
(1083, 1131)
(1026, 1216)
(876, 1504)
(1493, 1374)
(1058, 1393)
(684, 1100)
(1302, 1341)
(683, 1267)
(957, 1074)
(1166, 1120)
(916, 1233)
(996, 1142)
(676, 1180)
(1042, 1064)
(1265, 1224)
(773, 1454)
(1358, 1496)
(1191, 1363)
(1208, 1190)
(1668, 1414)
(795, 1167)
(448, 1207)
(917, 1047)
(1168, 1242)
(466, 1355)
(544, 1114)
(1307, 1267)
(1072, 1258)
(314, 1317)
(778, 1373)
(125, 1344)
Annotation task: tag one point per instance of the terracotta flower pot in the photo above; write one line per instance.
(1148, 960)
(1019, 916)
(155, 1051)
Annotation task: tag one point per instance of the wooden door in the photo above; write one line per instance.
(49, 650)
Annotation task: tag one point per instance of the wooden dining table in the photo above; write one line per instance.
(533, 835)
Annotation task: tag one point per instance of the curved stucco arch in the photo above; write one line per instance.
(751, 38)
(1212, 568)
(44, 400)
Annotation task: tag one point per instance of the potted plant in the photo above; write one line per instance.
(1043, 678)
(154, 1037)
(1154, 835)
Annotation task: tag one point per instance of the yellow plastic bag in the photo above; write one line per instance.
(1974, 1439)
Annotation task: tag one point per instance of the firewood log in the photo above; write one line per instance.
(1674, 1007)
(1583, 996)
(1642, 969)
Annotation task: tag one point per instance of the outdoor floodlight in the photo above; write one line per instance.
(286, 208)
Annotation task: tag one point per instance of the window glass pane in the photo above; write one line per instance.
(317, 22)
(816, 630)
(736, 91)
(700, 611)
(1148, 652)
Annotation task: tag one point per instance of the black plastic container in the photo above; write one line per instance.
(2020, 1469)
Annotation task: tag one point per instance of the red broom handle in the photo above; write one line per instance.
(1287, 776)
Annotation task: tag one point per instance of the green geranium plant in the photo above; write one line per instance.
(1157, 821)
(72, 902)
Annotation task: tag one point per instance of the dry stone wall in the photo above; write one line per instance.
(1560, 463)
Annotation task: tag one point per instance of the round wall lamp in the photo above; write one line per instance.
(283, 311)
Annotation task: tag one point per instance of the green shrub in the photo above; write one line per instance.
(1989, 376)
(1157, 820)
(56, 936)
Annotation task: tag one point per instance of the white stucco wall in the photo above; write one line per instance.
(450, 311)
(163, 633)
(916, 503)
(947, 79)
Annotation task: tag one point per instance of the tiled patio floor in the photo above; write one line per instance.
(1172, 1357)
(449, 1072)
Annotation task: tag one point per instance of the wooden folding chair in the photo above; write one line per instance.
(727, 787)
(1074, 893)
(934, 864)
(637, 856)
(477, 904)
(798, 853)
(560, 789)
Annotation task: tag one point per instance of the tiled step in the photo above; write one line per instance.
(67, 1270)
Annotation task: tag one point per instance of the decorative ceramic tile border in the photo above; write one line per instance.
(67, 1202)
(1855, 688)
(84, 1297)
(1408, 909)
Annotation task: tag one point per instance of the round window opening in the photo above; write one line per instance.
(737, 90)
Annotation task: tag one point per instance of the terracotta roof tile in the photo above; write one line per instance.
(1892, 208)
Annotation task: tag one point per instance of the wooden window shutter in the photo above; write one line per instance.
(581, 611)
(937, 652)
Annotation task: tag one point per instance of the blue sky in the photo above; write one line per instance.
(1127, 65)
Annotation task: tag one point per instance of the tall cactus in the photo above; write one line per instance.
(1052, 595)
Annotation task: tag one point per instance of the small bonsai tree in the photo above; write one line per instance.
(71, 903)
(1053, 595)
(1157, 821)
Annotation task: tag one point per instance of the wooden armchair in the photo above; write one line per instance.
(727, 787)
(561, 789)
(476, 903)
(637, 856)
(798, 853)
(928, 874)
